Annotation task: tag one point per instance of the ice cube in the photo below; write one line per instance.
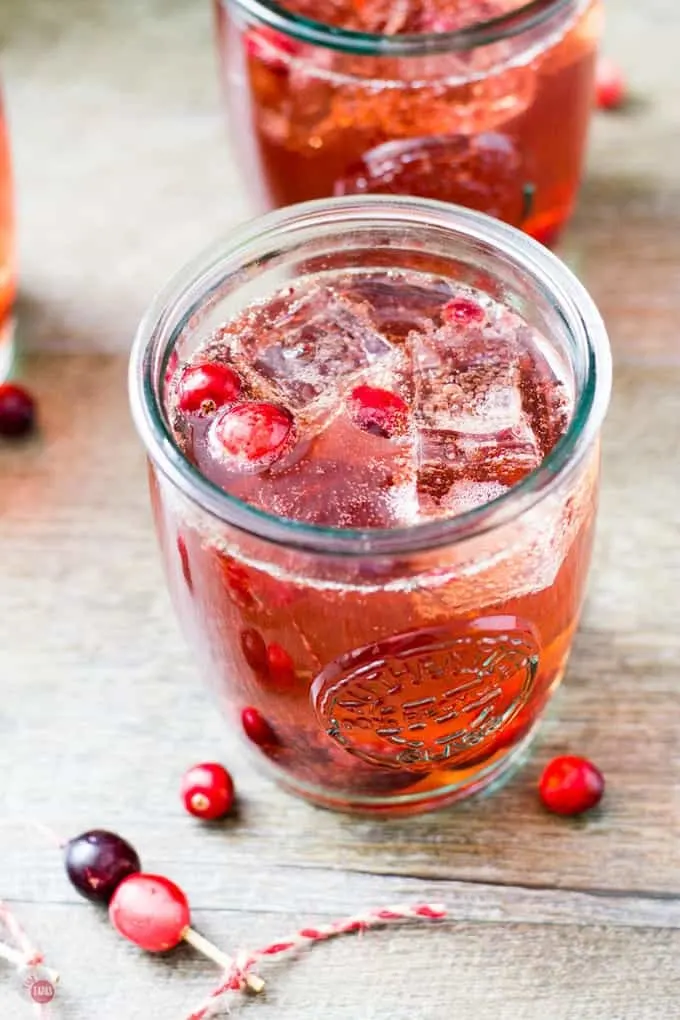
(311, 349)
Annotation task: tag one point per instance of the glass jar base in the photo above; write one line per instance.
(486, 780)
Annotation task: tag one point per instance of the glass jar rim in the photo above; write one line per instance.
(530, 15)
(156, 335)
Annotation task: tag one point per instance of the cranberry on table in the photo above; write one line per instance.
(17, 411)
(570, 785)
(97, 862)
(204, 388)
(208, 791)
(378, 411)
(251, 436)
(150, 911)
(610, 85)
(257, 729)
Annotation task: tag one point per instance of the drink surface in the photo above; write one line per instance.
(406, 16)
(371, 400)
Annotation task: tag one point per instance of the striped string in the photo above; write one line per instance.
(234, 981)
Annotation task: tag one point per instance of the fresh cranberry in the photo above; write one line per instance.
(97, 862)
(204, 388)
(463, 311)
(184, 561)
(238, 582)
(150, 911)
(17, 411)
(208, 791)
(252, 435)
(254, 649)
(610, 85)
(281, 666)
(377, 411)
(570, 785)
(257, 729)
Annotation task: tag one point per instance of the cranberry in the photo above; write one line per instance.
(257, 729)
(463, 311)
(17, 411)
(204, 388)
(150, 911)
(254, 649)
(184, 561)
(570, 785)
(252, 435)
(238, 582)
(377, 411)
(97, 862)
(281, 666)
(610, 86)
(208, 791)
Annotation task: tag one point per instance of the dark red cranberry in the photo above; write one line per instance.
(281, 666)
(17, 411)
(208, 791)
(570, 785)
(463, 311)
(257, 729)
(251, 436)
(254, 649)
(97, 862)
(204, 388)
(610, 85)
(378, 411)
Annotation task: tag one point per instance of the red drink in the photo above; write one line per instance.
(489, 115)
(356, 416)
(7, 269)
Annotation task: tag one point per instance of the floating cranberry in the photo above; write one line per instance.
(204, 388)
(208, 791)
(17, 411)
(570, 785)
(610, 85)
(184, 561)
(378, 411)
(281, 666)
(463, 311)
(254, 649)
(97, 862)
(257, 729)
(150, 911)
(251, 436)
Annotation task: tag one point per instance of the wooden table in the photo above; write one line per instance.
(120, 158)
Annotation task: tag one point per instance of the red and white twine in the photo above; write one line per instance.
(21, 952)
(236, 979)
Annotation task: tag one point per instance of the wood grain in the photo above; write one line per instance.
(102, 707)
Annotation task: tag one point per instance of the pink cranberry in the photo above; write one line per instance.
(378, 411)
(150, 911)
(463, 311)
(281, 666)
(208, 791)
(251, 436)
(610, 85)
(17, 411)
(204, 388)
(570, 785)
(257, 729)
(254, 649)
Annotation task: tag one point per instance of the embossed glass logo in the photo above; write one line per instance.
(428, 699)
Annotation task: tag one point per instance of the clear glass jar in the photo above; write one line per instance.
(493, 117)
(459, 629)
(7, 254)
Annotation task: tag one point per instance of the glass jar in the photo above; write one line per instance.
(455, 632)
(493, 117)
(7, 265)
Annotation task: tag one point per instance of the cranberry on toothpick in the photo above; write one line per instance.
(570, 785)
(97, 862)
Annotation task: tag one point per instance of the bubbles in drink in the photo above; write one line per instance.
(405, 397)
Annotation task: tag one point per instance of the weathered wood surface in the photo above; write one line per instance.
(101, 707)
